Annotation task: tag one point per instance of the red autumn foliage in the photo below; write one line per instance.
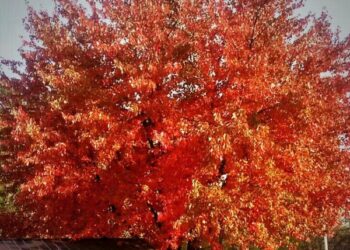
(224, 122)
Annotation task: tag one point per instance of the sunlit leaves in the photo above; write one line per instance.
(176, 121)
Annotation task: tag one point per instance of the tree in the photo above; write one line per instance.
(224, 122)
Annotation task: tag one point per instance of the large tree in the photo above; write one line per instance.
(223, 122)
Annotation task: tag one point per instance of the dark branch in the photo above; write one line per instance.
(222, 167)
(155, 214)
(255, 21)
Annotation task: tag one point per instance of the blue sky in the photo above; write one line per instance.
(13, 11)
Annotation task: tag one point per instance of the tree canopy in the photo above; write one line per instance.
(223, 121)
